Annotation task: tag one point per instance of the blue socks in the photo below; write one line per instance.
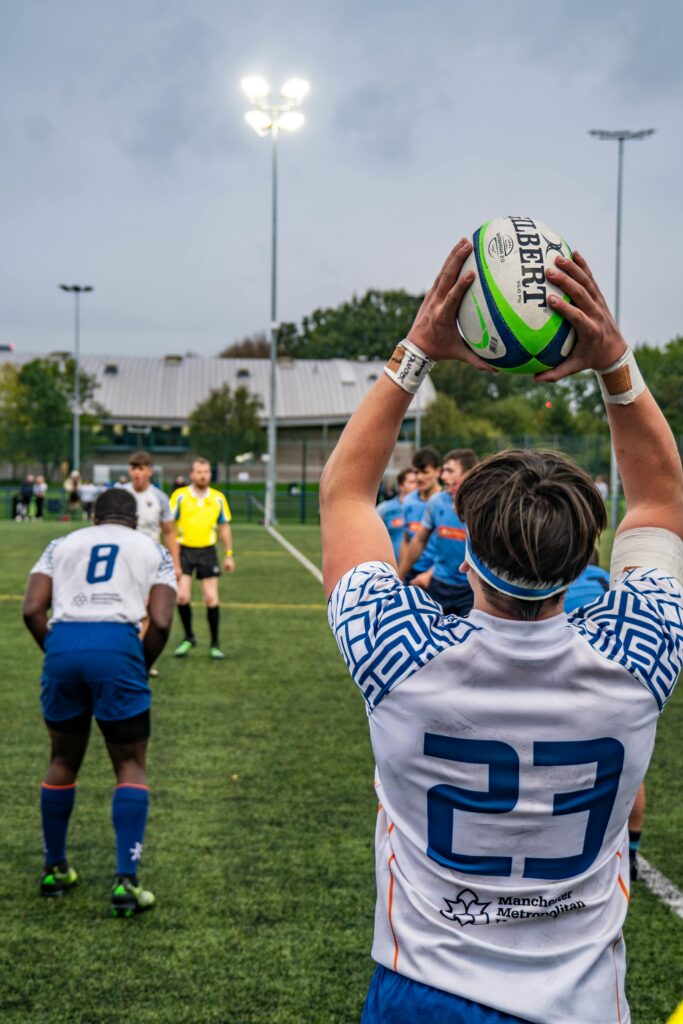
(129, 816)
(56, 805)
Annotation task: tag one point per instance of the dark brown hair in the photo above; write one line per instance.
(530, 514)
(140, 458)
(426, 457)
(403, 474)
(465, 456)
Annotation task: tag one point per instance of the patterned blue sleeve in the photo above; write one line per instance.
(45, 563)
(165, 573)
(387, 631)
(639, 624)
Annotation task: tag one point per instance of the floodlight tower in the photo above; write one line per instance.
(269, 118)
(78, 290)
(621, 136)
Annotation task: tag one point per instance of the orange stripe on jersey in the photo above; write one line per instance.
(379, 808)
(391, 828)
(620, 880)
(451, 532)
(391, 904)
(414, 526)
(397, 524)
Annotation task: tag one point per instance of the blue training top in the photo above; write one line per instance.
(413, 511)
(592, 583)
(448, 533)
(391, 514)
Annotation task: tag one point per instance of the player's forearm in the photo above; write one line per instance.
(413, 551)
(357, 464)
(648, 460)
(154, 641)
(226, 537)
(171, 541)
(36, 623)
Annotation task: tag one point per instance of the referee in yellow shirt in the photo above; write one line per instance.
(200, 513)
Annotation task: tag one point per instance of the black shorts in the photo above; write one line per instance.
(203, 561)
(453, 600)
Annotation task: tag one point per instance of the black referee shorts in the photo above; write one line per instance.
(202, 561)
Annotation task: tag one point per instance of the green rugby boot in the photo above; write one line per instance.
(57, 879)
(183, 649)
(216, 653)
(128, 898)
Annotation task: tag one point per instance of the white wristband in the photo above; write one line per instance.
(408, 366)
(622, 382)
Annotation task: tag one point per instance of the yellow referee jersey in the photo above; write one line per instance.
(196, 518)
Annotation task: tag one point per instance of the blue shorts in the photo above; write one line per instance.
(394, 999)
(94, 666)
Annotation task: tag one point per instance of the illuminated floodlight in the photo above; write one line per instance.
(259, 121)
(295, 90)
(255, 88)
(290, 121)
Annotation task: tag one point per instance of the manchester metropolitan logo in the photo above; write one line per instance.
(467, 908)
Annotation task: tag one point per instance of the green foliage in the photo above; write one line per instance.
(36, 418)
(444, 425)
(368, 326)
(663, 371)
(227, 423)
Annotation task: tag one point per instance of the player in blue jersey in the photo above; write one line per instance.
(447, 583)
(99, 582)
(509, 745)
(427, 466)
(391, 510)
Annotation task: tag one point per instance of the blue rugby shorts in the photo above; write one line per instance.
(94, 666)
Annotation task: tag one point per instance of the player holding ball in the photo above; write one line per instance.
(509, 745)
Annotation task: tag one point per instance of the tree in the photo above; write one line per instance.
(227, 423)
(254, 346)
(444, 426)
(37, 415)
(368, 326)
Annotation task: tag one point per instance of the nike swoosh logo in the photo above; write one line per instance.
(484, 333)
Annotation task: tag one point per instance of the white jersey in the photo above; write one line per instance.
(104, 574)
(153, 509)
(509, 754)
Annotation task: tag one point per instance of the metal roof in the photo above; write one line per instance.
(166, 389)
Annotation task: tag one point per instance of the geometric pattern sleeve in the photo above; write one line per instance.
(386, 631)
(45, 563)
(639, 624)
(165, 573)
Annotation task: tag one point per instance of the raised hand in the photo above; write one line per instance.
(435, 330)
(599, 342)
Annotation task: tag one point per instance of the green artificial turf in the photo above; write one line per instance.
(260, 836)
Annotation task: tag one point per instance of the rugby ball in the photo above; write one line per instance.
(504, 316)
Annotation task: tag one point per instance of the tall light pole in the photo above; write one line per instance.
(78, 290)
(269, 118)
(621, 136)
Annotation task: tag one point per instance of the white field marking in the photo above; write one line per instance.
(313, 569)
(665, 890)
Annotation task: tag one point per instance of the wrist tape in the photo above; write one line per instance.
(622, 382)
(408, 366)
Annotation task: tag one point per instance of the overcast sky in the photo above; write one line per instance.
(126, 163)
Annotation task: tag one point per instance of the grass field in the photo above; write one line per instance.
(259, 844)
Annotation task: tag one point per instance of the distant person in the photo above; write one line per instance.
(23, 506)
(121, 481)
(603, 487)
(591, 584)
(88, 498)
(39, 492)
(390, 511)
(201, 513)
(179, 481)
(447, 584)
(72, 486)
(99, 582)
(427, 466)
(155, 517)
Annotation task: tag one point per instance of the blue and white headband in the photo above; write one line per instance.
(512, 586)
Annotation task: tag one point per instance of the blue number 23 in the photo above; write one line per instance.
(502, 795)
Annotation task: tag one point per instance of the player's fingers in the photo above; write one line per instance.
(573, 314)
(455, 295)
(573, 364)
(452, 267)
(583, 264)
(572, 287)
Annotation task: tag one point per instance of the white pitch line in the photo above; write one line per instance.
(660, 886)
(313, 569)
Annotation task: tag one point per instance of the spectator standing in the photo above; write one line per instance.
(39, 492)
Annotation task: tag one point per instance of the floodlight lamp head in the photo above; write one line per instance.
(259, 121)
(255, 88)
(290, 121)
(295, 90)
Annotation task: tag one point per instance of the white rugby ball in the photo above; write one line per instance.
(504, 316)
